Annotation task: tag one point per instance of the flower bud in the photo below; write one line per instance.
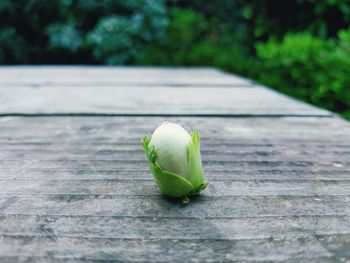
(175, 160)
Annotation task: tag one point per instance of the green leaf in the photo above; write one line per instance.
(169, 183)
(196, 174)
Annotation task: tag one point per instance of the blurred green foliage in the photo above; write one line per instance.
(300, 47)
(79, 31)
(316, 70)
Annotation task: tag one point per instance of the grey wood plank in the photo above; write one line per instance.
(265, 174)
(216, 170)
(137, 155)
(145, 101)
(214, 132)
(172, 228)
(234, 155)
(334, 247)
(30, 259)
(78, 189)
(298, 151)
(210, 148)
(46, 227)
(133, 166)
(160, 206)
(38, 76)
(148, 188)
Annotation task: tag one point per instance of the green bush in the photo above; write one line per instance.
(191, 40)
(82, 31)
(65, 36)
(187, 28)
(310, 68)
(120, 39)
(12, 46)
(270, 17)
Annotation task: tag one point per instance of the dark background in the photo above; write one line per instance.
(299, 47)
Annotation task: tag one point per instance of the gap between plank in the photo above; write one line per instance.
(184, 217)
(151, 115)
(96, 237)
(125, 84)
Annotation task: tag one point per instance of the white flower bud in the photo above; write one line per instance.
(170, 142)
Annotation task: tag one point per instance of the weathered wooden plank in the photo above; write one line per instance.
(147, 187)
(301, 159)
(159, 206)
(78, 189)
(210, 147)
(213, 131)
(68, 165)
(265, 174)
(132, 167)
(37, 76)
(156, 100)
(30, 259)
(139, 155)
(172, 228)
(296, 153)
(334, 247)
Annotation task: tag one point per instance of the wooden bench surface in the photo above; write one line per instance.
(75, 184)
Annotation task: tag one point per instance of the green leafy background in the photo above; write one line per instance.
(300, 47)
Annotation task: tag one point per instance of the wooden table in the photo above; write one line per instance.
(75, 185)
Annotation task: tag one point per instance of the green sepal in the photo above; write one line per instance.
(149, 152)
(196, 174)
(199, 189)
(185, 200)
(169, 183)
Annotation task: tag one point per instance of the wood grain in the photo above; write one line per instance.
(331, 247)
(280, 188)
(150, 101)
(78, 189)
(139, 91)
(80, 76)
